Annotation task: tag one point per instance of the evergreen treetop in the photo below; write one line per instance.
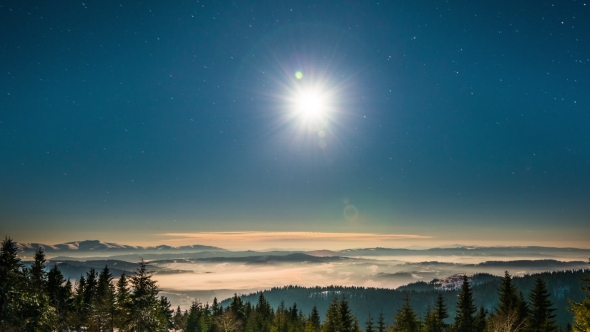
(507, 295)
(346, 317)
(464, 320)
(314, 317)
(381, 322)
(37, 270)
(541, 317)
(369, 324)
(441, 308)
(405, 320)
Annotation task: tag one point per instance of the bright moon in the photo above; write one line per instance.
(310, 104)
(310, 101)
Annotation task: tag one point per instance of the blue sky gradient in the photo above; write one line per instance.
(459, 121)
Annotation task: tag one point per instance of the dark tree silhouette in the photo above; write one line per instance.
(541, 318)
(464, 320)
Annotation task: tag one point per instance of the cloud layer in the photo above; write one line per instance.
(257, 239)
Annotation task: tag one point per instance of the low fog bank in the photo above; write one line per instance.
(456, 254)
(202, 276)
(203, 281)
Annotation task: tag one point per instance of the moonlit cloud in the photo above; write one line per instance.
(293, 236)
(256, 239)
(224, 279)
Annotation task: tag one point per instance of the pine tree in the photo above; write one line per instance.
(60, 297)
(37, 271)
(465, 309)
(247, 310)
(216, 309)
(89, 299)
(79, 317)
(280, 322)
(66, 318)
(441, 311)
(314, 318)
(105, 300)
(479, 322)
(581, 310)
(332, 322)
(293, 312)
(508, 299)
(179, 321)
(301, 322)
(522, 309)
(193, 318)
(144, 302)
(59, 292)
(309, 326)
(165, 315)
(511, 313)
(55, 281)
(38, 315)
(432, 322)
(405, 319)
(237, 307)
(355, 325)
(369, 324)
(90, 288)
(346, 318)
(262, 317)
(263, 307)
(381, 322)
(12, 287)
(123, 301)
(541, 316)
(212, 319)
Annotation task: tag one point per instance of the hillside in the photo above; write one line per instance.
(370, 301)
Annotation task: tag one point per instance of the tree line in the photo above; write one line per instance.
(32, 299)
(364, 301)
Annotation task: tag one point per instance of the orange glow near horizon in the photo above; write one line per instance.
(285, 240)
(308, 240)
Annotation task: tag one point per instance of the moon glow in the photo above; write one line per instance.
(310, 104)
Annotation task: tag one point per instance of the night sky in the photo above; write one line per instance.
(461, 121)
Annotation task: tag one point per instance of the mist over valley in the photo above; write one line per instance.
(202, 273)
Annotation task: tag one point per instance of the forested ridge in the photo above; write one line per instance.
(562, 287)
(34, 299)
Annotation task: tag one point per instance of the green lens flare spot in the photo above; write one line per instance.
(298, 75)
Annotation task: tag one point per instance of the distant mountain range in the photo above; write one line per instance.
(96, 245)
(511, 251)
(267, 259)
(95, 248)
